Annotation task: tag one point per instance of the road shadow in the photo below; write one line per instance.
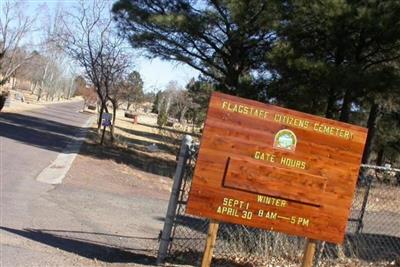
(39, 132)
(199, 225)
(95, 233)
(56, 136)
(85, 248)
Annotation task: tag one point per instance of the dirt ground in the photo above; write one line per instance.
(118, 195)
(126, 205)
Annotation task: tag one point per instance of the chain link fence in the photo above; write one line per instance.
(372, 237)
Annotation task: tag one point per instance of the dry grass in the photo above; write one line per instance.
(133, 144)
(254, 247)
(139, 136)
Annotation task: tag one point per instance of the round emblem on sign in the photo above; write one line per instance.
(285, 139)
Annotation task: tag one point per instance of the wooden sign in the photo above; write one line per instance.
(277, 169)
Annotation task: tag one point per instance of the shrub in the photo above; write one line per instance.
(162, 118)
(3, 98)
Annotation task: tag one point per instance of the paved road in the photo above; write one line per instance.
(103, 212)
(29, 142)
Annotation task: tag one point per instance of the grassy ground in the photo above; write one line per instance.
(134, 142)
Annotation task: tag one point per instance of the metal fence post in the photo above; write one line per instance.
(173, 200)
(364, 205)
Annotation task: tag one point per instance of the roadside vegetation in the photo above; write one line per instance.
(337, 59)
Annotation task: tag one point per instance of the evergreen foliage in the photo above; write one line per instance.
(156, 103)
(162, 117)
(333, 58)
(224, 40)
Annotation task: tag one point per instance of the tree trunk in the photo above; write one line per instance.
(314, 106)
(100, 115)
(373, 119)
(182, 115)
(114, 105)
(103, 107)
(69, 93)
(380, 157)
(232, 80)
(3, 98)
(346, 106)
(128, 106)
(32, 89)
(194, 121)
(331, 103)
(39, 94)
(14, 83)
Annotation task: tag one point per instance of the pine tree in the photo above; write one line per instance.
(224, 40)
(331, 54)
(156, 103)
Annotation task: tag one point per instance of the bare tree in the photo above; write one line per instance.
(114, 64)
(83, 36)
(14, 27)
(57, 75)
(88, 37)
(166, 97)
(176, 100)
(88, 93)
(182, 103)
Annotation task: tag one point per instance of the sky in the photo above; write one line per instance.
(156, 73)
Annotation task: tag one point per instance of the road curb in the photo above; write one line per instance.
(56, 171)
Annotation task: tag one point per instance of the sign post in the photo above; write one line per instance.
(210, 243)
(105, 121)
(309, 252)
(277, 169)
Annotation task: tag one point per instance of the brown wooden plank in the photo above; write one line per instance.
(219, 97)
(328, 198)
(248, 148)
(260, 134)
(324, 225)
(213, 159)
(309, 252)
(210, 243)
(274, 181)
(307, 187)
